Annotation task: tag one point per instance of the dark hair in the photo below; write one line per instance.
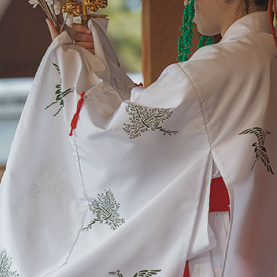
(260, 4)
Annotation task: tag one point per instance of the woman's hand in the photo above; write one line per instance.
(83, 37)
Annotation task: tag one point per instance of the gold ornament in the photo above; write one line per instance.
(82, 8)
(93, 8)
(79, 9)
(88, 3)
(101, 4)
(69, 6)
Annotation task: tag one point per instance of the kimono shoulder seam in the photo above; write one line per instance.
(200, 103)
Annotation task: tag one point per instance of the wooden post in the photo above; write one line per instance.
(24, 39)
(161, 21)
(2, 169)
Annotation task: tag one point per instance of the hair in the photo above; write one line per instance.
(259, 5)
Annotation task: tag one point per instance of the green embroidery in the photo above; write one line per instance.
(142, 273)
(5, 265)
(259, 148)
(145, 119)
(105, 208)
(59, 93)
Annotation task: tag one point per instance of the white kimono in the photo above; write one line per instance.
(128, 193)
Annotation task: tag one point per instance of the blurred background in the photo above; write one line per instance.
(24, 40)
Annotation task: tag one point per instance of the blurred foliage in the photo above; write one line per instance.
(124, 31)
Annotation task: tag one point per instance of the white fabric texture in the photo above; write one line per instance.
(210, 263)
(128, 193)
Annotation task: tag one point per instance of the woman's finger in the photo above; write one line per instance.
(52, 29)
(87, 45)
(82, 37)
(78, 28)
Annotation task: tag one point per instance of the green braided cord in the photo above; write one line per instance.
(202, 40)
(185, 40)
(209, 41)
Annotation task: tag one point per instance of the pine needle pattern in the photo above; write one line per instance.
(105, 208)
(59, 93)
(259, 146)
(5, 265)
(142, 273)
(145, 119)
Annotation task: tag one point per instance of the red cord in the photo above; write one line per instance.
(139, 85)
(271, 15)
(76, 115)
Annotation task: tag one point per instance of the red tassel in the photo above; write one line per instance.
(76, 115)
(186, 272)
(271, 15)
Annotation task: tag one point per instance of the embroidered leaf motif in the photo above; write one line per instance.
(142, 273)
(105, 209)
(146, 273)
(259, 148)
(146, 119)
(59, 93)
(49, 182)
(5, 265)
(117, 273)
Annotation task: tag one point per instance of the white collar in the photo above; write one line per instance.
(257, 22)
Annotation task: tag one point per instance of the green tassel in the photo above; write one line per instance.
(203, 39)
(185, 40)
